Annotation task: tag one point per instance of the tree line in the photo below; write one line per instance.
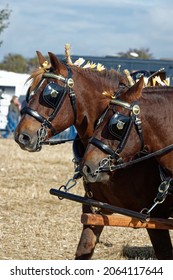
(17, 63)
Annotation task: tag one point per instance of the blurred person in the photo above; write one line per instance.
(12, 116)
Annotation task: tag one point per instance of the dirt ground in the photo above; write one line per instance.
(38, 226)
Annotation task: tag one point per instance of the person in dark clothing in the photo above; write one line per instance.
(12, 116)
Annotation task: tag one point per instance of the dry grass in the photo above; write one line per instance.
(36, 225)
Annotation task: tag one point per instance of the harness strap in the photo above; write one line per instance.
(52, 116)
(139, 131)
(105, 148)
(70, 84)
(38, 117)
(124, 140)
(73, 103)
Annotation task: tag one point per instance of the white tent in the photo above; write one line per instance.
(10, 84)
(14, 80)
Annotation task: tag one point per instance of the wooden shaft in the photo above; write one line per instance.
(125, 221)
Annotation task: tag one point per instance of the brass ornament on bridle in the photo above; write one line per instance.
(136, 109)
(120, 125)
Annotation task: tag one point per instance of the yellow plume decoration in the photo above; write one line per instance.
(89, 64)
(45, 66)
(100, 67)
(79, 61)
(108, 94)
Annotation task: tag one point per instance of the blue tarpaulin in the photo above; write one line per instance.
(69, 133)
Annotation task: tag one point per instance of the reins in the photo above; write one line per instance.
(61, 141)
(137, 160)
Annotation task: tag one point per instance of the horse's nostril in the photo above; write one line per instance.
(86, 170)
(24, 139)
(89, 174)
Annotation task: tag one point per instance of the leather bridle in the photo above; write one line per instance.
(107, 163)
(46, 123)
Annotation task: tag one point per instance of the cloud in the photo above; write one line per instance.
(92, 27)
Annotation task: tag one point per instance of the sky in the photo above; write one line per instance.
(92, 27)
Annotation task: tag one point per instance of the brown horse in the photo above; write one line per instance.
(62, 95)
(114, 148)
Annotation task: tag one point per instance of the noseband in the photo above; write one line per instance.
(46, 122)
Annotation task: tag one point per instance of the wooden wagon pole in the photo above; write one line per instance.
(125, 221)
(124, 218)
(98, 204)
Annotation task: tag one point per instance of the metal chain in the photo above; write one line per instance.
(42, 134)
(105, 162)
(163, 191)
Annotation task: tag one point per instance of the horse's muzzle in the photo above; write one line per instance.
(26, 142)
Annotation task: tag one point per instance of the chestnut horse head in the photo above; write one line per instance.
(139, 120)
(61, 95)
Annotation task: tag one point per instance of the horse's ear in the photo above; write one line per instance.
(41, 58)
(134, 92)
(56, 64)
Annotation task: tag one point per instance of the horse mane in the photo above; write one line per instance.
(110, 77)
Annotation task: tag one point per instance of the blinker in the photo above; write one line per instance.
(118, 125)
(52, 94)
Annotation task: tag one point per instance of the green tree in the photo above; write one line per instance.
(32, 64)
(138, 53)
(15, 63)
(4, 17)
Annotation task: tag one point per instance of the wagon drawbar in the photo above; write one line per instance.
(122, 218)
